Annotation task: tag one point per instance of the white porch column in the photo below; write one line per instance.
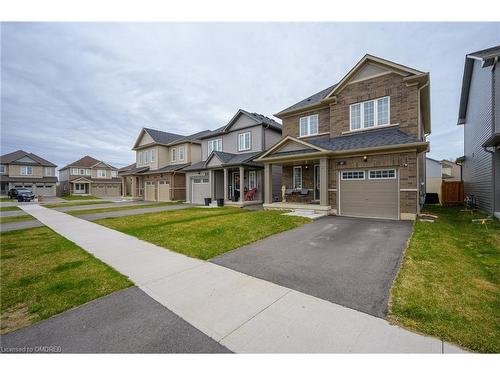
(323, 181)
(268, 183)
(212, 184)
(242, 184)
(226, 180)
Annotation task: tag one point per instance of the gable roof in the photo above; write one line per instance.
(487, 57)
(86, 162)
(13, 156)
(257, 117)
(321, 96)
(227, 159)
(127, 168)
(169, 139)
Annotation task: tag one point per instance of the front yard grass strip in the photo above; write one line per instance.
(204, 233)
(79, 197)
(121, 208)
(13, 219)
(448, 284)
(9, 208)
(43, 274)
(5, 200)
(73, 204)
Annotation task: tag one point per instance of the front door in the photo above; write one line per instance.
(316, 182)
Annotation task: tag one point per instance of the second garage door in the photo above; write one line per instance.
(150, 191)
(369, 193)
(200, 189)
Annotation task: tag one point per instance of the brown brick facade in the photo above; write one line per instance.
(307, 182)
(334, 119)
(177, 183)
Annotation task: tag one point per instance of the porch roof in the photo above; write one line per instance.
(227, 160)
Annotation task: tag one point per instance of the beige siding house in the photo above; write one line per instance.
(227, 170)
(356, 148)
(21, 169)
(160, 157)
(89, 176)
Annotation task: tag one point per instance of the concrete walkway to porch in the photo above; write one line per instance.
(243, 313)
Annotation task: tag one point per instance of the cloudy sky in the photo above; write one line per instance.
(72, 89)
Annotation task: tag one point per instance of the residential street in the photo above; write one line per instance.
(241, 312)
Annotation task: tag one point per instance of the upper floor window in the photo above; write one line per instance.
(244, 141)
(153, 155)
(308, 125)
(113, 174)
(139, 157)
(181, 152)
(101, 173)
(174, 154)
(26, 170)
(214, 145)
(2, 168)
(48, 171)
(370, 113)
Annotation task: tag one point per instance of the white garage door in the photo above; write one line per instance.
(369, 193)
(163, 191)
(200, 189)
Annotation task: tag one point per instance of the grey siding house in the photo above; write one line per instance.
(227, 169)
(479, 114)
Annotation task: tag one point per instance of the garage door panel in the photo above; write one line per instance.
(150, 191)
(376, 198)
(200, 189)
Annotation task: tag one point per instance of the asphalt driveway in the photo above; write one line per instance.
(348, 261)
(128, 321)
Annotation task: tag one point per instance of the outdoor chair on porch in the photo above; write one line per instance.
(250, 195)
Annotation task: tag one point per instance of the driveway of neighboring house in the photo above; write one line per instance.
(348, 261)
(128, 321)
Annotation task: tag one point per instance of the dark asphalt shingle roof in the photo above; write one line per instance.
(27, 179)
(163, 137)
(169, 168)
(135, 170)
(13, 156)
(85, 162)
(368, 139)
(487, 53)
(311, 100)
(228, 159)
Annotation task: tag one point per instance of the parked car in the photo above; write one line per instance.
(12, 193)
(24, 195)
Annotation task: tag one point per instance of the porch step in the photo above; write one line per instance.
(310, 214)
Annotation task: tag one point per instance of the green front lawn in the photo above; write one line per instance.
(71, 204)
(204, 232)
(12, 219)
(448, 284)
(9, 208)
(78, 197)
(5, 199)
(43, 274)
(121, 208)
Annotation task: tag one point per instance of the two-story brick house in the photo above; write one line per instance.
(358, 147)
(21, 169)
(89, 176)
(160, 157)
(227, 169)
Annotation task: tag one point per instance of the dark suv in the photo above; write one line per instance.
(22, 195)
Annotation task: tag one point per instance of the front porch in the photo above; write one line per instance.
(227, 184)
(80, 186)
(304, 186)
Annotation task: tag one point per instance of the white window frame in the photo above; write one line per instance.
(139, 157)
(174, 154)
(294, 180)
(214, 145)
(48, 171)
(375, 113)
(87, 172)
(81, 171)
(242, 136)
(346, 178)
(114, 173)
(153, 155)
(99, 174)
(308, 125)
(2, 169)
(382, 170)
(252, 180)
(74, 171)
(182, 154)
(26, 170)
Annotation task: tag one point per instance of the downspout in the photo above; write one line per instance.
(420, 186)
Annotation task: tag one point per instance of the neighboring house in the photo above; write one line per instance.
(356, 148)
(89, 176)
(435, 173)
(24, 169)
(227, 169)
(160, 158)
(479, 112)
(126, 178)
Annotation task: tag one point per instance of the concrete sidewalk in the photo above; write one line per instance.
(243, 313)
